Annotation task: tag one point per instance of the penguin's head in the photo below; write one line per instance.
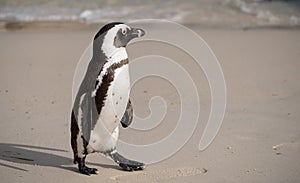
(118, 34)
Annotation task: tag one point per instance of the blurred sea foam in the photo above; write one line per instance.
(228, 13)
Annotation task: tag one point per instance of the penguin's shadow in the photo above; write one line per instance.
(33, 155)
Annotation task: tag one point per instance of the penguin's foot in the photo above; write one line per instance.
(88, 171)
(134, 166)
(84, 169)
(126, 164)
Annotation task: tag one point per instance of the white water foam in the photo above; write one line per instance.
(237, 13)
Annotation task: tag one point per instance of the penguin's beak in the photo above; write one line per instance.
(125, 37)
(137, 32)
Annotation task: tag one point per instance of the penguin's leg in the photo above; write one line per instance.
(124, 163)
(84, 169)
(83, 152)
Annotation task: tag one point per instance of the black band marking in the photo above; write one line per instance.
(107, 79)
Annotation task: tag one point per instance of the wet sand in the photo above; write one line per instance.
(259, 140)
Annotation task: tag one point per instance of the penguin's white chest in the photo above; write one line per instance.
(105, 134)
(117, 98)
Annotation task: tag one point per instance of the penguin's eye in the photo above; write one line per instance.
(124, 31)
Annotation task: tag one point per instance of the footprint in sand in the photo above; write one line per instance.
(155, 175)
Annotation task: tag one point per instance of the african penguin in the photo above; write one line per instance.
(102, 101)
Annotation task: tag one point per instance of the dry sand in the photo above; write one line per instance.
(259, 140)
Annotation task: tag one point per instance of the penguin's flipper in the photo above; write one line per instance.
(128, 115)
(126, 164)
(80, 131)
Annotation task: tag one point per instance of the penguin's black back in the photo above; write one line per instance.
(105, 28)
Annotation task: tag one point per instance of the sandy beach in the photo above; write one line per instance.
(259, 140)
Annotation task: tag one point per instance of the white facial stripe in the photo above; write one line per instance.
(108, 46)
